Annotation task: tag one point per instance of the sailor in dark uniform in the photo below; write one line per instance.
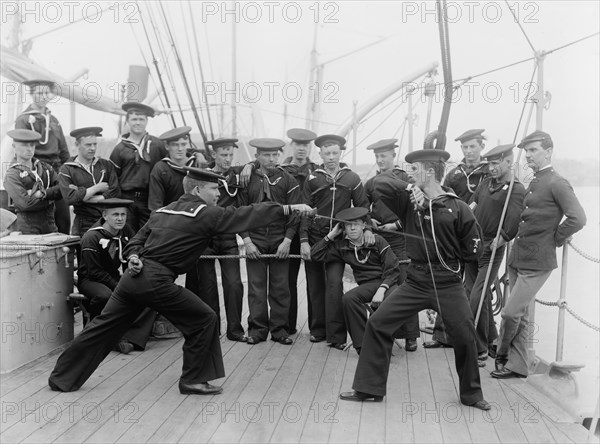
(205, 283)
(101, 260)
(135, 156)
(268, 287)
(32, 185)
(450, 237)
(548, 200)
(86, 179)
(330, 188)
(487, 204)
(166, 178)
(52, 147)
(165, 247)
(375, 267)
(386, 215)
(464, 180)
(300, 166)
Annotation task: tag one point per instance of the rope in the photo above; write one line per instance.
(239, 256)
(571, 312)
(519, 23)
(583, 254)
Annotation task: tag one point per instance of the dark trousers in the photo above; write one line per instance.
(268, 287)
(207, 289)
(475, 273)
(81, 224)
(154, 287)
(138, 212)
(325, 289)
(99, 294)
(417, 293)
(62, 216)
(294, 270)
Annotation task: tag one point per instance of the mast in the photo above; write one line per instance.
(540, 94)
(233, 79)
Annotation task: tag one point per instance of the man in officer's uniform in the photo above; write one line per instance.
(86, 179)
(268, 278)
(165, 247)
(52, 147)
(300, 166)
(135, 156)
(386, 215)
(450, 236)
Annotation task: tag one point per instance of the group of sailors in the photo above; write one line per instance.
(414, 239)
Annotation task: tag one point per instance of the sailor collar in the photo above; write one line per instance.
(470, 170)
(181, 169)
(75, 162)
(188, 205)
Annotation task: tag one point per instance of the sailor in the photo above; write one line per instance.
(52, 147)
(487, 204)
(166, 178)
(135, 156)
(375, 267)
(464, 180)
(332, 187)
(165, 247)
(205, 285)
(32, 185)
(548, 199)
(101, 261)
(268, 285)
(386, 216)
(450, 236)
(300, 166)
(86, 179)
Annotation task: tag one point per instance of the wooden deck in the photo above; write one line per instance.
(274, 393)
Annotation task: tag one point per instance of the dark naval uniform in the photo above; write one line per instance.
(464, 179)
(167, 245)
(35, 215)
(373, 266)
(329, 195)
(134, 164)
(458, 240)
(74, 179)
(300, 173)
(166, 183)
(51, 149)
(268, 284)
(98, 274)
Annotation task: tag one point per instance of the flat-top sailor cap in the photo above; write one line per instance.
(203, 175)
(353, 213)
(138, 108)
(222, 141)
(112, 202)
(383, 145)
(87, 131)
(499, 152)
(301, 135)
(429, 155)
(39, 82)
(24, 135)
(536, 136)
(267, 144)
(469, 135)
(175, 133)
(331, 139)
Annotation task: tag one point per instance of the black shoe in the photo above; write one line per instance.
(435, 344)
(338, 346)
(499, 363)
(505, 373)
(252, 340)
(282, 340)
(240, 338)
(482, 359)
(360, 397)
(410, 345)
(125, 347)
(201, 388)
(292, 331)
(481, 405)
(317, 338)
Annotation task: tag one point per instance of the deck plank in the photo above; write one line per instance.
(398, 423)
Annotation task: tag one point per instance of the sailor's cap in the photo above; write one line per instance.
(39, 82)
(428, 155)
(536, 136)
(470, 135)
(222, 142)
(330, 139)
(24, 135)
(112, 202)
(203, 175)
(353, 213)
(175, 134)
(498, 152)
(267, 144)
(86, 131)
(301, 135)
(138, 108)
(383, 145)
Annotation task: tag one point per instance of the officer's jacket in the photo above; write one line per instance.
(55, 151)
(329, 195)
(74, 179)
(464, 180)
(35, 215)
(490, 197)
(135, 162)
(377, 261)
(102, 255)
(548, 199)
(166, 183)
(176, 235)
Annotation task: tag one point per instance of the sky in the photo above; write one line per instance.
(274, 43)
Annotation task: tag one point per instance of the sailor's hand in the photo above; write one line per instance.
(564, 241)
(303, 209)
(100, 187)
(335, 231)
(378, 298)
(389, 227)
(283, 250)
(497, 243)
(369, 238)
(417, 197)
(375, 223)
(305, 251)
(246, 174)
(38, 194)
(251, 251)
(134, 265)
